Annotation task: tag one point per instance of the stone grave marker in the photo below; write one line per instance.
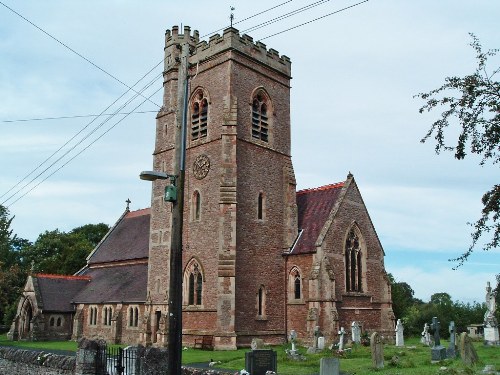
(400, 340)
(257, 343)
(341, 338)
(451, 352)
(356, 332)
(377, 349)
(438, 352)
(321, 343)
(259, 361)
(491, 335)
(329, 366)
(467, 351)
(426, 336)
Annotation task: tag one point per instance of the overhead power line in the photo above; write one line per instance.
(316, 19)
(286, 15)
(81, 151)
(80, 142)
(75, 116)
(276, 19)
(76, 135)
(72, 50)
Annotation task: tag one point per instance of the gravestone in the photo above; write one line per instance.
(491, 336)
(259, 361)
(329, 366)
(321, 343)
(377, 349)
(467, 351)
(400, 340)
(426, 336)
(314, 349)
(257, 344)
(438, 352)
(293, 337)
(341, 338)
(356, 332)
(451, 352)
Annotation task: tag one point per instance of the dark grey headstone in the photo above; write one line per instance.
(257, 362)
(329, 366)
(438, 353)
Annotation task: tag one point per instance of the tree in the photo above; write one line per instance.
(402, 296)
(63, 253)
(472, 103)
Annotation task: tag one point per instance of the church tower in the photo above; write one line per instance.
(240, 212)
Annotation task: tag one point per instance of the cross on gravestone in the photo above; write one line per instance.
(316, 336)
(400, 341)
(426, 337)
(438, 352)
(435, 325)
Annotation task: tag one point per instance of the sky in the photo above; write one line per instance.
(355, 75)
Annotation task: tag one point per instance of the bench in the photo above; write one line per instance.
(204, 342)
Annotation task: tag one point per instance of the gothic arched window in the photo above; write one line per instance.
(199, 115)
(294, 284)
(353, 263)
(193, 278)
(260, 116)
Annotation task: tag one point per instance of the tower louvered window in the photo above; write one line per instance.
(199, 116)
(260, 119)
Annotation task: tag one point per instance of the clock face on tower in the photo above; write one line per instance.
(201, 166)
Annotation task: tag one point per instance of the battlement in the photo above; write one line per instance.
(229, 40)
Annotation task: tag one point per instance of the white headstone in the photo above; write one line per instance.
(356, 332)
(400, 341)
(321, 343)
(426, 336)
(341, 338)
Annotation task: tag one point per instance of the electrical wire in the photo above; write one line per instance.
(276, 19)
(247, 18)
(286, 15)
(81, 151)
(74, 116)
(314, 20)
(79, 132)
(81, 141)
(71, 49)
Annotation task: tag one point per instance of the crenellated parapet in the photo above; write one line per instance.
(229, 40)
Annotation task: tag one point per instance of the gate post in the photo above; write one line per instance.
(87, 357)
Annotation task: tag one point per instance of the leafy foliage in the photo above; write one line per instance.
(53, 252)
(472, 103)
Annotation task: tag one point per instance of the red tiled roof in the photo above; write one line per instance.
(64, 277)
(128, 239)
(314, 207)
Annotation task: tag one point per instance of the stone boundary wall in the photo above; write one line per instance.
(27, 362)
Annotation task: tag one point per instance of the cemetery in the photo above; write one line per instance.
(428, 354)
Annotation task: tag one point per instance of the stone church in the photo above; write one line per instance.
(259, 258)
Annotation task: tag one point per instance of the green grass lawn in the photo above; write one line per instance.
(413, 359)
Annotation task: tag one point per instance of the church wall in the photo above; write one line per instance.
(260, 242)
(371, 307)
(297, 310)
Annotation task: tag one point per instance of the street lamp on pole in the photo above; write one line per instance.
(174, 348)
(174, 193)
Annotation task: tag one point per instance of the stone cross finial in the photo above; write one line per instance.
(435, 326)
(128, 201)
